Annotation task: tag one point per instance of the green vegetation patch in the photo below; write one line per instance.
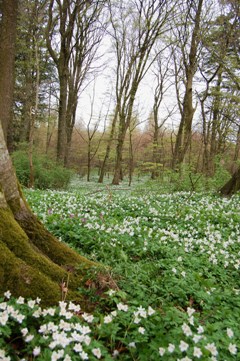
(172, 267)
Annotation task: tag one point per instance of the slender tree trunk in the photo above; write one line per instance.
(108, 149)
(89, 161)
(130, 159)
(61, 140)
(118, 165)
(214, 128)
(33, 116)
(155, 148)
(70, 120)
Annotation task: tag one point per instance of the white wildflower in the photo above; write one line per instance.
(171, 348)
(200, 329)
(97, 352)
(197, 352)
(24, 331)
(191, 320)
(115, 353)
(186, 330)
(87, 317)
(137, 320)
(77, 347)
(161, 351)
(232, 349)
(67, 358)
(20, 300)
(141, 330)
(230, 332)
(7, 294)
(122, 307)
(150, 311)
(31, 303)
(190, 311)
(183, 346)
(111, 292)
(84, 355)
(36, 351)
(211, 348)
(197, 338)
(29, 338)
(132, 344)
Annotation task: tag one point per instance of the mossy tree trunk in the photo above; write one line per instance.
(33, 263)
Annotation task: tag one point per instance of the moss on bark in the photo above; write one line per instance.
(33, 262)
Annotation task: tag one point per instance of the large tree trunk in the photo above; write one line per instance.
(33, 263)
(185, 129)
(7, 53)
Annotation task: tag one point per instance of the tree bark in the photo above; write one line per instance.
(33, 263)
(232, 186)
(7, 52)
(185, 129)
(108, 149)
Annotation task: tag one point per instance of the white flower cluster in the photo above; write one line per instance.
(193, 338)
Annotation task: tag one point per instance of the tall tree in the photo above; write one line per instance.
(188, 43)
(78, 24)
(163, 83)
(32, 262)
(33, 74)
(136, 26)
(220, 98)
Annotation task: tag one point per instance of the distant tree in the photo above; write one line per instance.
(93, 137)
(135, 28)
(162, 76)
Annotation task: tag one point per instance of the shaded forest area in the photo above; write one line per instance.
(188, 51)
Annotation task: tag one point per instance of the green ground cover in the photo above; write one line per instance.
(170, 289)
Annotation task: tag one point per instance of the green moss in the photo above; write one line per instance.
(30, 262)
(25, 280)
(58, 252)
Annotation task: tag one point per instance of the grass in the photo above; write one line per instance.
(171, 286)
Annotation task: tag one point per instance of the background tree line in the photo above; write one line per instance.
(187, 51)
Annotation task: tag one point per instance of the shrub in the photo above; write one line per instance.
(47, 173)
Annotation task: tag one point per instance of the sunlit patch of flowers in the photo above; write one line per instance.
(178, 261)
